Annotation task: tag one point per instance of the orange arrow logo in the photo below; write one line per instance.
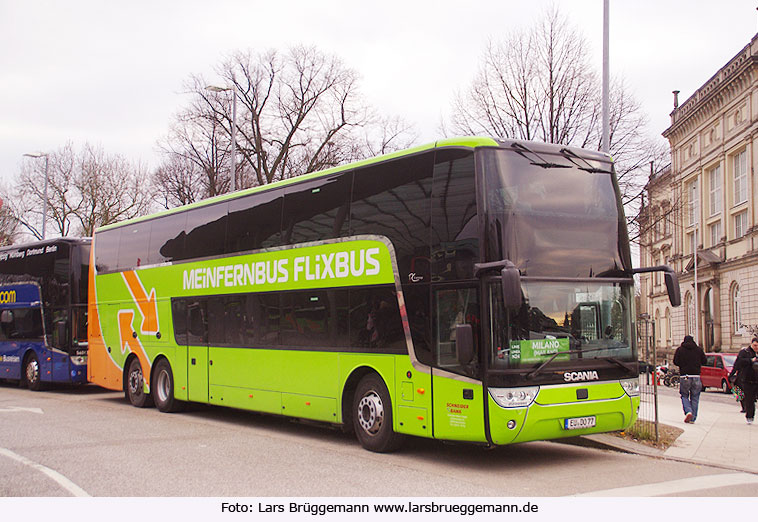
(128, 339)
(148, 306)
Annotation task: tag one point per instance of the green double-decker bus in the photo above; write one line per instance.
(468, 290)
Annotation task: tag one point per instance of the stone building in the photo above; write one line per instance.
(706, 202)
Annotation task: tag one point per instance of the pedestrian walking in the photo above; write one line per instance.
(689, 357)
(747, 377)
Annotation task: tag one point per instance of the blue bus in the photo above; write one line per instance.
(43, 312)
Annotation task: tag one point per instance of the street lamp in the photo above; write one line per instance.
(44, 197)
(216, 88)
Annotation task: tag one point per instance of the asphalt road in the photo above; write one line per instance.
(86, 441)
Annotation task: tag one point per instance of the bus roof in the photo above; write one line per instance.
(53, 241)
(465, 142)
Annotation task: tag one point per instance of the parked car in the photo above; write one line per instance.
(715, 372)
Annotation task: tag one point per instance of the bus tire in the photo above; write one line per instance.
(372, 416)
(163, 388)
(135, 386)
(32, 373)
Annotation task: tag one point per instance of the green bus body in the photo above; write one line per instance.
(340, 296)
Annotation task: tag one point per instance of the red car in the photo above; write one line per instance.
(715, 372)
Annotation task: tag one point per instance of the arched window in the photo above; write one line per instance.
(658, 328)
(735, 304)
(689, 318)
(667, 320)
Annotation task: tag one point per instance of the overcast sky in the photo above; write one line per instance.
(111, 73)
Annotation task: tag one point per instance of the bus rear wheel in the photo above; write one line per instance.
(135, 386)
(163, 388)
(32, 373)
(372, 416)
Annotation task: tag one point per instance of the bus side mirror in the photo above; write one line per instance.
(672, 287)
(511, 281)
(464, 343)
(6, 317)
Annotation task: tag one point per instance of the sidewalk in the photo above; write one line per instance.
(720, 437)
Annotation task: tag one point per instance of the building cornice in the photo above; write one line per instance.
(731, 80)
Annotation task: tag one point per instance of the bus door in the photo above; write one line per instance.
(197, 350)
(456, 386)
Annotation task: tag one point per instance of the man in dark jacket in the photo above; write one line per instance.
(689, 357)
(747, 378)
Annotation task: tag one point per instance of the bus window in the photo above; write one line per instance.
(316, 210)
(21, 323)
(205, 231)
(132, 247)
(455, 225)
(197, 322)
(455, 307)
(167, 238)
(106, 251)
(375, 320)
(393, 200)
(254, 222)
(215, 322)
(179, 316)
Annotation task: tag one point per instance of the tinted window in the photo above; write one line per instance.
(205, 231)
(197, 322)
(316, 210)
(133, 243)
(375, 319)
(455, 226)
(106, 250)
(393, 200)
(254, 222)
(417, 298)
(167, 238)
(179, 316)
(216, 321)
(22, 323)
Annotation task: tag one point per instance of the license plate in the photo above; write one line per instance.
(578, 423)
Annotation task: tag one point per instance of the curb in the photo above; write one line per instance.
(612, 443)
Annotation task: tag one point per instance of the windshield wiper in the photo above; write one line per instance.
(541, 163)
(539, 369)
(571, 156)
(619, 362)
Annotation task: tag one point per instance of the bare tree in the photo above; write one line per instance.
(298, 111)
(86, 189)
(9, 225)
(540, 85)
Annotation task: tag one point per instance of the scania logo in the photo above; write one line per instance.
(590, 375)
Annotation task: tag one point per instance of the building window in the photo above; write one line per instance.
(736, 312)
(740, 178)
(694, 202)
(689, 318)
(740, 224)
(714, 182)
(715, 231)
(667, 319)
(691, 242)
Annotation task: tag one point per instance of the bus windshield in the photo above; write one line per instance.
(590, 320)
(554, 215)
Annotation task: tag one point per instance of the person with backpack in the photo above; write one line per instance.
(747, 377)
(689, 357)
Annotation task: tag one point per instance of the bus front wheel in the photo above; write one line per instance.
(163, 388)
(32, 373)
(135, 386)
(372, 416)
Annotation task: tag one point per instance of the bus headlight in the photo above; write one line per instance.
(514, 397)
(631, 387)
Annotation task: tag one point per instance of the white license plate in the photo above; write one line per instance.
(578, 423)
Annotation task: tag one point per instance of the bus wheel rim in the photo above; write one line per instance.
(163, 386)
(32, 371)
(371, 412)
(135, 382)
